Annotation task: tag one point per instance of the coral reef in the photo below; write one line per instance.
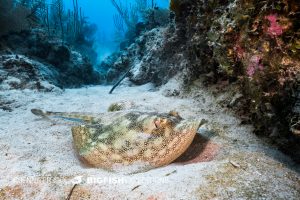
(13, 17)
(258, 47)
(254, 44)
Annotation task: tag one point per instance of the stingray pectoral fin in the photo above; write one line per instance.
(187, 131)
(87, 150)
(85, 137)
(80, 137)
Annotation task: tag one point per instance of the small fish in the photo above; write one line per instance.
(129, 141)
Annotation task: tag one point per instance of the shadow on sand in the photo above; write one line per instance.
(201, 150)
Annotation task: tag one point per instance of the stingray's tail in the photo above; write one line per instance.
(39, 113)
(86, 117)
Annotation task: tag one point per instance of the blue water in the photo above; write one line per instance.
(100, 12)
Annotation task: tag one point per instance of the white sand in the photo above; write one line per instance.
(38, 161)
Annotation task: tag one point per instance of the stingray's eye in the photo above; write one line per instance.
(157, 122)
(161, 122)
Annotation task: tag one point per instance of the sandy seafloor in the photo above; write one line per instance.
(38, 160)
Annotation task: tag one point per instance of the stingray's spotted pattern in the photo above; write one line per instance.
(130, 140)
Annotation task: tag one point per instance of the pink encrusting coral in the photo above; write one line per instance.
(240, 52)
(274, 28)
(254, 65)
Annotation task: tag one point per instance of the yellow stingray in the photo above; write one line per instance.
(129, 141)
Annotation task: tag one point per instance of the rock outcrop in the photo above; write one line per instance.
(20, 72)
(155, 56)
(60, 64)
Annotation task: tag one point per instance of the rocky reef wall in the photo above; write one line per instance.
(256, 45)
(253, 44)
